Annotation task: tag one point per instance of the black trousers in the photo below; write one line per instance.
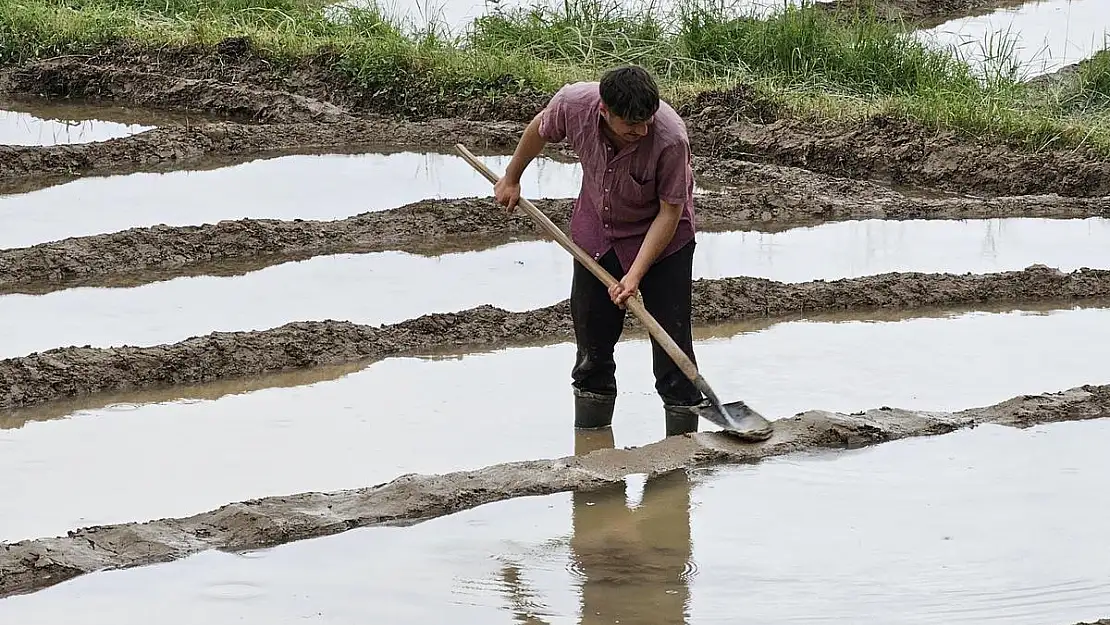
(598, 322)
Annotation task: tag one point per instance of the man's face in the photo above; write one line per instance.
(628, 131)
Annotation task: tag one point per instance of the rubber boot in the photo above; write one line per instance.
(593, 410)
(680, 420)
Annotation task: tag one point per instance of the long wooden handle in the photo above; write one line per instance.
(633, 303)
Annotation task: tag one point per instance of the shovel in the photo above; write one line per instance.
(735, 418)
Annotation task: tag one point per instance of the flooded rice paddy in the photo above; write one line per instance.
(989, 525)
(301, 186)
(985, 525)
(378, 288)
(164, 455)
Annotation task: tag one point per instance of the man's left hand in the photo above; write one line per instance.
(626, 288)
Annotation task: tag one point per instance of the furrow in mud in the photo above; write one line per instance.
(77, 371)
(778, 199)
(31, 565)
(901, 152)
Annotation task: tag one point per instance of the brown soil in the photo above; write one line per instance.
(771, 199)
(76, 371)
(35, 564)
(901, 152)
(177, 145)
(733, 124)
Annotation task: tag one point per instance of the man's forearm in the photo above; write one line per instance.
(528, 148)
(658, 236)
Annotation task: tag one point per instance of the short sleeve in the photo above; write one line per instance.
(553, 118)
(673, 174)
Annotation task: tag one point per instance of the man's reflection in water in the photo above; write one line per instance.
(631, 561)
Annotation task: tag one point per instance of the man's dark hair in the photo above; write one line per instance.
(629, 92)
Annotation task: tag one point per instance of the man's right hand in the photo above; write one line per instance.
(507, 193)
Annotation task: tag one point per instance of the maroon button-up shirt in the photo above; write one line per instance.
(621, 190)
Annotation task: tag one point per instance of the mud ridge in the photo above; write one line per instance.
(73, 77)
(902, 152)
(31, 565)
(183, 144)
(778, 199)
(78, 371)
(234, 61)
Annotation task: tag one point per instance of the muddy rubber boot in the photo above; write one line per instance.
(680, 420)
(593, 410)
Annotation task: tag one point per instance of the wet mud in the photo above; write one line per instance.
(902, 152)
(73, 78)
(31, 565)
(770, 199)
(176, 145)
(731, 124)
(76, 371)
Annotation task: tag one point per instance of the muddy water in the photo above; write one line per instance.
(991, 525)
(175, 457)
(22, 124)
(1042, 36)
(328, 186)
(378, 288)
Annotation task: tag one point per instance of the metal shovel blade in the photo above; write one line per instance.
(742, 422)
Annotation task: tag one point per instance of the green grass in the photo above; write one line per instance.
(807, 61)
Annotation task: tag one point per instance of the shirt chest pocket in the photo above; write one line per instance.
(636, 187)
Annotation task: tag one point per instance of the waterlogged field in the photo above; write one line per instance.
(259, 316)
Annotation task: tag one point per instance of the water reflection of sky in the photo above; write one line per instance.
(19, 128)
(1044, 36)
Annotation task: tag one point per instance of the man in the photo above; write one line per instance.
(634, 215)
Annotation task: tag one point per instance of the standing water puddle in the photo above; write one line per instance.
(377, 288)
(134, 462)
(35, 123)
(1042, 36)
(991, 525)
(308, 186)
